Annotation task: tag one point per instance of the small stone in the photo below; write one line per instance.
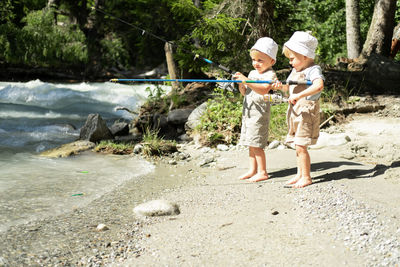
(222, 147)
(275, 212)
(274, 144)
(102, 227)
(137, 149)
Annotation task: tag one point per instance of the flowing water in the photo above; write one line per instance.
(36, 116)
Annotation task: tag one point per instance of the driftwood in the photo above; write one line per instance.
(383, 74)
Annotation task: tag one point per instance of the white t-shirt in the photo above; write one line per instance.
(311, 73)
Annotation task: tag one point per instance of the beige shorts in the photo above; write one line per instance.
(303, 123)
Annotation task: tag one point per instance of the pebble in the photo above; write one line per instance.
(274, 144)
(102, 227)
(222, 147)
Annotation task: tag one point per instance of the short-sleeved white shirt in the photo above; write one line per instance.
(311, 73)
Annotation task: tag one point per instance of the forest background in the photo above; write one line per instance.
(71, 37)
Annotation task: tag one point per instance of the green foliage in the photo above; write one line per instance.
(115, 148)
(277, 123)
(153, 145)
(41, 43)
(222, 120)
(115, 53)
(155, 94)
(327, 21)
(221, 123)
(184, 12)
(220, 30)
(6, 14)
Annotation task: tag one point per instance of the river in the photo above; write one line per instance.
(36, 116)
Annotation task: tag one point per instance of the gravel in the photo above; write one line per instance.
(359, 226)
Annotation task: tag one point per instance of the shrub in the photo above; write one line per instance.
(222, 120)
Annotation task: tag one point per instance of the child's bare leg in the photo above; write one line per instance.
(261, 174)
(252, 168)
(305, 166)
(299, 171)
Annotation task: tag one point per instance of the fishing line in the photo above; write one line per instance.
(165, 41)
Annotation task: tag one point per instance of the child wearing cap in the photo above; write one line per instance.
(256, 111)
(303, 110)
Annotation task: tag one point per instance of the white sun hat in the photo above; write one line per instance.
(303, 43)
(267, 46)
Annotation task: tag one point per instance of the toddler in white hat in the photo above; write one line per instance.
(303, 110)
(256, 111)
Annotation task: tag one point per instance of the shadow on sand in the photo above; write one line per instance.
(348, 173)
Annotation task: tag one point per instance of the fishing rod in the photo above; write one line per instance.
(165, 41)
(210, 81)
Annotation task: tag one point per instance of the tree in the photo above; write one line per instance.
(380, 32)
(353, 35)
(265, 11)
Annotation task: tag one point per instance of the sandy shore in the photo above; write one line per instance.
(348, 217)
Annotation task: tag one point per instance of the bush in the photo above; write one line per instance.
(41, 43)
(278, 124)
(222, 120)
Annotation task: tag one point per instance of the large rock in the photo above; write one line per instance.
(119, 129)
(157, 207)
(179, 116)
(95, 129)
(68, 149)
(194, 117)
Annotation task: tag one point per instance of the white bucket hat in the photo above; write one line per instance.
(267, 46)
(303, 43)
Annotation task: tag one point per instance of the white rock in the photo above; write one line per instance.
(137, 149)
(281, 147)
(326, 139)
(222, 147)
(274, 144)
(102, 227)
(157, 207)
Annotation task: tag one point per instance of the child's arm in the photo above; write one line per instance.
(316, 87)
(277, 85)
(259, 88)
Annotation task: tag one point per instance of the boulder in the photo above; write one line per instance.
(194, 117)
(95, 129)
(179, 116)
(119, 129)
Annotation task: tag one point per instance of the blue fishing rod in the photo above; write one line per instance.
(165, 41)
(307, 82)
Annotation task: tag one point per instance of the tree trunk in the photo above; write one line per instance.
(197, 3)
(94, 34)
(265, 10)
(52, 3)
(380, 32)
(171, 65)
(353, 35)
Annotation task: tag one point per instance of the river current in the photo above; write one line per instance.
(36, 116)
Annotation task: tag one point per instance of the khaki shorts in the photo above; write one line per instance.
(303, 122)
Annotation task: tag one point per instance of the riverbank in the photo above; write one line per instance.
(349, 216)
